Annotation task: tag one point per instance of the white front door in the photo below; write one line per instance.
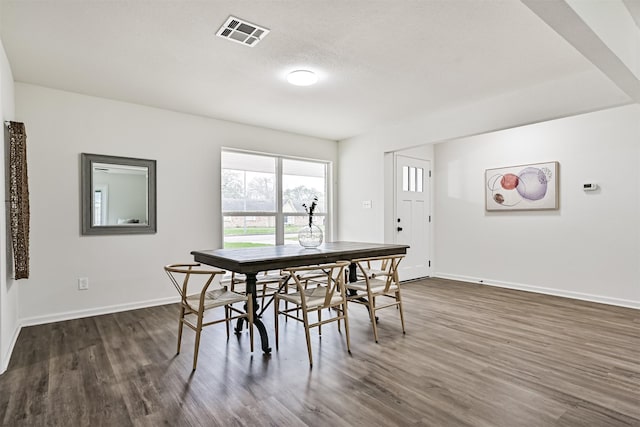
(413, 215)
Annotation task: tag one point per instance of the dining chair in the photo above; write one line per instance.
(372, 267)
(209, 295)
(267, 284)
(327, 293)
(377, 277)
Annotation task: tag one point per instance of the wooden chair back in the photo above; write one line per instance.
(387, 271)
(327, 278)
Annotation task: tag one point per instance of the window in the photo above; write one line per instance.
(262, 198)
(412, 179)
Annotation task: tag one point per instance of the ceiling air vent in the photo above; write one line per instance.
(243, 32)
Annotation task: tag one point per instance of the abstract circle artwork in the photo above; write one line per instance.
(527, 187)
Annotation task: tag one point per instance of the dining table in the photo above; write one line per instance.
(251, 261)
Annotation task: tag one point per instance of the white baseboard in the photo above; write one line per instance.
(541, 290)
(4, 361)
(69, 315)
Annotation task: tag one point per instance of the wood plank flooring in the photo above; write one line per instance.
(473, 355)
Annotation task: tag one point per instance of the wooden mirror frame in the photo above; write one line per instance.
(86, 192)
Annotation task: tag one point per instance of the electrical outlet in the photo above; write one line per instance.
(83, 283)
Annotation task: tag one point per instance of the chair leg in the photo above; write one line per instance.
(227, 312)
(286, 303)
(197, 344)
(180, 327)
(320, 322)
(306, 331)
(264, 294)
(276, 310)
(345, 318)
(372, 313)
(399, 299)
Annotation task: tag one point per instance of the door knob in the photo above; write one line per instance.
(399, 228)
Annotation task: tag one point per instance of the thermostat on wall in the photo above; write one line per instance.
(589, 187)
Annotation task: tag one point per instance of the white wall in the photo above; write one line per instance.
(362, 157)
(615, 26)
(124, 271)
(366, 170)
(614, 137)
(9, 327)
(588, 249)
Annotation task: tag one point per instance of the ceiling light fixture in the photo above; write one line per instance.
(302, 78)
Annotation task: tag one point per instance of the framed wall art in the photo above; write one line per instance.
(526, 187)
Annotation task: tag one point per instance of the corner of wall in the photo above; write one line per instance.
(9, 324)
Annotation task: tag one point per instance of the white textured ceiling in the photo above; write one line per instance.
(378, 60)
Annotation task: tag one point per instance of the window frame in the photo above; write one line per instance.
(278, 213)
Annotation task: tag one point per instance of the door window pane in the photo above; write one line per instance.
(419, 180)
(412, 179)
(405, 178)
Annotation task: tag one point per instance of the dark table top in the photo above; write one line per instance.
(254, 260)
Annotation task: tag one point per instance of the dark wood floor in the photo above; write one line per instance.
(473, 355)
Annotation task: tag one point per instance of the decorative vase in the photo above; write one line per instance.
(310, 236)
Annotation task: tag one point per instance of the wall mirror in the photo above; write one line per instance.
(118, 195)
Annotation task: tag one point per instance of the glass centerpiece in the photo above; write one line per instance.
(310, 236)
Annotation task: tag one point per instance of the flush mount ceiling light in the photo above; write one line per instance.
(241, 31)
(302, 78)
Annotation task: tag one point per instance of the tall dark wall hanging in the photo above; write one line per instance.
(19, 198)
